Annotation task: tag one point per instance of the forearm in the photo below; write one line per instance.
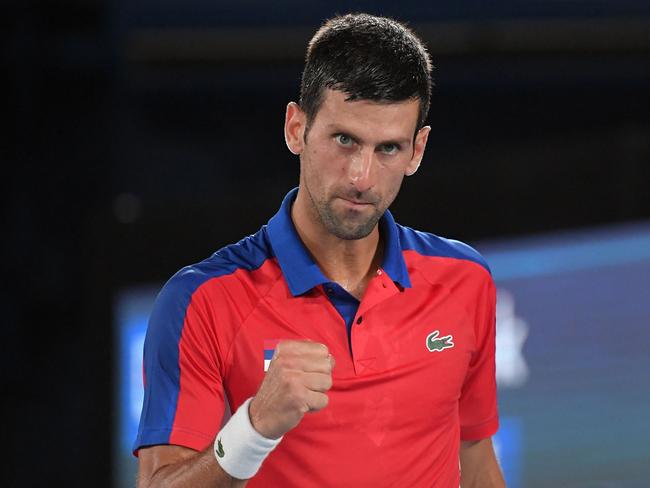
(478, 465)
(487, 478)
(200, 470)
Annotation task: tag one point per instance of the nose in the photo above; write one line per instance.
(361, 169)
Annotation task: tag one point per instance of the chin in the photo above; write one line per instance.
(353, 233)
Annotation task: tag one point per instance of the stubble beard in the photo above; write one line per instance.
(349, 228)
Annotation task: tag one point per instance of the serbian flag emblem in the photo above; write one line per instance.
(269, 349)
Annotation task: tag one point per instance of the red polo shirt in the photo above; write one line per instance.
(414, 373)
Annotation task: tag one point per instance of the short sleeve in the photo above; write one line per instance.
(478, 401)
(183, 391)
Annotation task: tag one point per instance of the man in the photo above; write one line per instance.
(353, 351)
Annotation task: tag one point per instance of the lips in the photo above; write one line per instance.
(356, 203)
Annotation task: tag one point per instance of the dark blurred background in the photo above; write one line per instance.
(144, 135)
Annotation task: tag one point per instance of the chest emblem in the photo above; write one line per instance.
(269, 350)
(435, 343)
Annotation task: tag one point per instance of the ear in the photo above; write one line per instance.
(294, 128)
(418, 151)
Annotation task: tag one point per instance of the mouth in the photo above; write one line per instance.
(356, 204)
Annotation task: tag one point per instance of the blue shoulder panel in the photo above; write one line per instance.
(432, 245)
(162, 372)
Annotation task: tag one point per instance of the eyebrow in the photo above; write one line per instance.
(340, 130)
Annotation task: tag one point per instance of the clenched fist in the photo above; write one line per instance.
(296, 382)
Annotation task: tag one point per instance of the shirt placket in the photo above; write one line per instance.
(380, 288)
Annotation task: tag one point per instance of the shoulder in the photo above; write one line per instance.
(431, 245)
(247, 255)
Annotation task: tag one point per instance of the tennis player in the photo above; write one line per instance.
(352, 351)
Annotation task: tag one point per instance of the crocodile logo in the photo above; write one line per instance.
(220, 451)
(439, 344)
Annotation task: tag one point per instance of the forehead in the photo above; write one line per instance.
(383, 120)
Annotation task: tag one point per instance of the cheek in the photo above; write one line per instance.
(391, 182)
(320, 170)
(327, 163)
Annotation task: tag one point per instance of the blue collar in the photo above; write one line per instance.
(299, 268)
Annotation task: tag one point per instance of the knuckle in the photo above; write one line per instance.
(288, 377)
(294, 385)
(298, 403)
(284, 362)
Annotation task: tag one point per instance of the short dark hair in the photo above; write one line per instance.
(368, 58)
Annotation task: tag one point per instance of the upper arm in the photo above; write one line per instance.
(478, 401)
(183, 392)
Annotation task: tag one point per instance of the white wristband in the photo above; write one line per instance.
(239, 448)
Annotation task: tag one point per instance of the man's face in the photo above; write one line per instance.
(354, 159)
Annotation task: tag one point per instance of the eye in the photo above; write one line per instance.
(389, 148)
(343, 140)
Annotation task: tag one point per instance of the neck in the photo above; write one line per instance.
(350, 263)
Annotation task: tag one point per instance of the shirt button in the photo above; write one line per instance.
(359, 320)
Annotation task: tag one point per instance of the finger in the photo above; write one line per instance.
(303, 363)
(316, 401)
(317, 382)
(301, 347)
